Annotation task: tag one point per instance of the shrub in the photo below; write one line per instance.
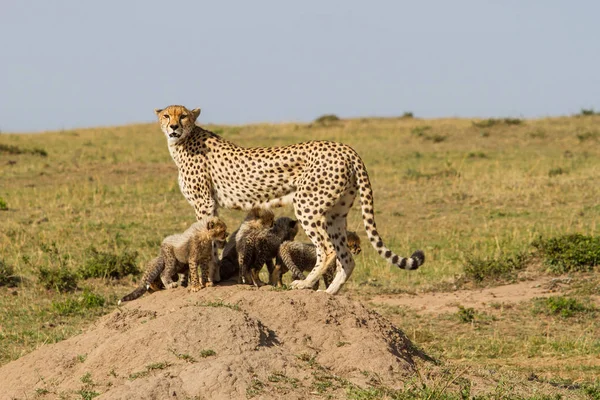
(60, 279)
(3, 205)
(9, 149)
(559, 305)
(587, 135)
(327, 119)
(109, 265)
(557, 171)
(587, 112)
(573, 252)
(465, 315)
(419, 131)
(488, 123)
(503, 267)
(408, 114)
(7, 275)
(70, 306)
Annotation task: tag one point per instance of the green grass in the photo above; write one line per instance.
(572, 252)
(481, 192)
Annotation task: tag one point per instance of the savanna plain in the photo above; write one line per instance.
(506, 210)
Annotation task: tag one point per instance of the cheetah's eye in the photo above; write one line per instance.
(165, 115)
(183, 117)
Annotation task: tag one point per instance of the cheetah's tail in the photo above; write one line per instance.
(153, 270)
(366, 203)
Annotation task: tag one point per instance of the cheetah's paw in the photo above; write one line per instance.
(171, 285)
(195, 288)
(300, 285)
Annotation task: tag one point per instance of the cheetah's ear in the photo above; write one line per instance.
(158, 110)
(210, 225)
(195, 114)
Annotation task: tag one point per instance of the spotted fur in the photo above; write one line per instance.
(320, 178)
(257, 218)
(297, 257)
(257, 246)
(181, 253)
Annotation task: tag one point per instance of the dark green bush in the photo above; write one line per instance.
(109, 265)
(559, 305)
(9, 149)
(503, 267)
(574, 252)
(7, 275)
(61, 279)
(79, 305)
(327, 118)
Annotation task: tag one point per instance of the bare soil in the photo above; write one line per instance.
(221, 343)
(479, 299)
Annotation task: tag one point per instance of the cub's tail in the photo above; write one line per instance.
(155, 267)
(366, 203)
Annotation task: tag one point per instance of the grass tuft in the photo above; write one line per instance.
(566, 253)
(504, 267)
(61, 279)
(566, 307)
(7, 275)
(80, 305)
(109, 265)
(8, 149)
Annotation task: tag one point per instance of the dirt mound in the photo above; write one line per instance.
(223, 342)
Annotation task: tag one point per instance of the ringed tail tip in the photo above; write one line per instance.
(418, 258)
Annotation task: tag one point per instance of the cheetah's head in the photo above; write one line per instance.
(177, 122)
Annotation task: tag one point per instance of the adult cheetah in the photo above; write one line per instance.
(320, 178)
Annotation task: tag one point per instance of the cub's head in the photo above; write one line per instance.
(177, 121)
(217, 230)
(288, 226)
(261, 217)
(353, 243)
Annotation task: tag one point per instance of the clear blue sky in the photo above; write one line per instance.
(75, 63)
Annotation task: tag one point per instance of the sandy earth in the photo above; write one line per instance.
(479, 299)
(264, 343)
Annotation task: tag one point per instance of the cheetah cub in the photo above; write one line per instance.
(297, 257)
(258, 246)
(257, 218)
(180, 252)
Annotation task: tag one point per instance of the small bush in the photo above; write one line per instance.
(557, 171)
(87, 301)
(109, 265)
(559, 305)
(588, 135)
(537, 134)
(465, 315)
(490, 122)
(477, 154)
(3, 204)
(512, 121)
(486, 123)
(585, 112)
(9, 149)
(7, 275)
(407, 115)
(504, 267)
(419, 131)
(574, 252)
(327, 119)
(61, 279)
